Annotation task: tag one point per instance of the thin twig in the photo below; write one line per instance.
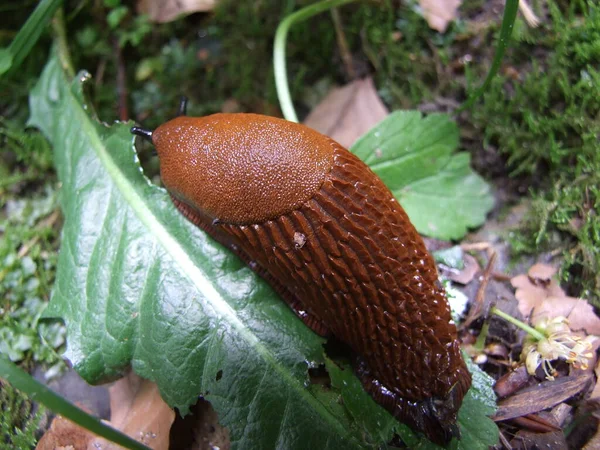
(505, 442)
(47, 222)
(121, 82)
(532, 20)
(499, 276)
(475, 246)
(477, 307)
(343, 44)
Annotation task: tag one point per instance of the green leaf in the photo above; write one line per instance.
(477, 430)
(115, 16)
(415, 157)
(29, 34)
(139, 285)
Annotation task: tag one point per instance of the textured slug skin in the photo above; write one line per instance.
(339, 249)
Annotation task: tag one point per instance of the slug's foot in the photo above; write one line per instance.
(434, 417)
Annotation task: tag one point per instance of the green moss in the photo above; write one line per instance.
(19, 420)
(547, 124)
(547, 118)
(28, 247)
(564, 220)
(28, 254)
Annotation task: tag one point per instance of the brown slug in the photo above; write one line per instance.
(331, 239)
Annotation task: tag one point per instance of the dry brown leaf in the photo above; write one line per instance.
(541, 272)
(138, 410)
(542, 396)
(165, 11)
(439, 13)
(348, 112)
(64, 434)
(529, 440)
(580, 313)
(466, 274)
(539, 296)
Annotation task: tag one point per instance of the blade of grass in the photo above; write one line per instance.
(508, 22)
(42, 394)
(281, 80)
(29, 33)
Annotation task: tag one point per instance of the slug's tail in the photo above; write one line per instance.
(434, 417)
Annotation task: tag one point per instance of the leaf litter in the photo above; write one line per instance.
(535, 406)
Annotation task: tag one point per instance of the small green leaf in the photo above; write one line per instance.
(115, 16)
(416, 158)
(452, 257)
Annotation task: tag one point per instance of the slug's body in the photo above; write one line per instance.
(328, 235)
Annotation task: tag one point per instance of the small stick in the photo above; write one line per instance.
(343, 44)
(47, 222)
(477, 307)
(121, 82)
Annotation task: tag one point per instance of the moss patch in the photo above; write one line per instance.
(546, 121)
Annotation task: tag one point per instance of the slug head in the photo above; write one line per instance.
(241, 168)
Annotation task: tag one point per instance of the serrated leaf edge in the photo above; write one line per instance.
(196, 276)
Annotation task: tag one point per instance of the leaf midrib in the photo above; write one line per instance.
(195, 275)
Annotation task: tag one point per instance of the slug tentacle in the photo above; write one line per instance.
(183, 102)
(329, 236)
(142, 132)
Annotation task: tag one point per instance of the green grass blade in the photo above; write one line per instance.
(29, 33)
(508, 21)
(40, 393)
(281, 80)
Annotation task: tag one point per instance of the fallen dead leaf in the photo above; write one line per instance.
(542, 396)
(534, 422)
(439, 13)
(165, 11)
(466, 274)
(539, 296)
(532, 440)
(541, 272)
(136, 409)
(348, 112)
(64, 434)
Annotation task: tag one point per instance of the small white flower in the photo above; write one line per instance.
(558, 343)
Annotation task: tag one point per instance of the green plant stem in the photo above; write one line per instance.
(532, 331)
(29, 33)
(40, 393)
(480, 342)
(508, 22)
(60, 39)
(281, 80)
